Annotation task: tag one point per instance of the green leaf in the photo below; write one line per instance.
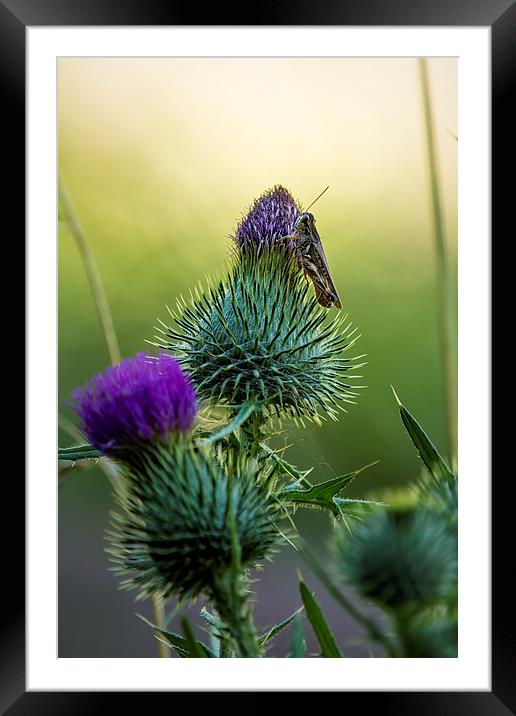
(177, 643)
(329, 648)
(435, 464)
(275, 630)
(181, 644)
(322, 495)
(298, 645)
(355, 507)
(195, 648)
(78, 452)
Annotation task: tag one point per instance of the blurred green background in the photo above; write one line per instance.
(161, 157)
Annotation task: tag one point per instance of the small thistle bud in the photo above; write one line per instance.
(271, 218)
(399, 558)
(182, 521)
(429, 636)
(260, 335)
(138, 401)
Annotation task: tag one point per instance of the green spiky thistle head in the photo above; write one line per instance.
(430, 636)
(185, 521)
(399, 557)
(259, 334)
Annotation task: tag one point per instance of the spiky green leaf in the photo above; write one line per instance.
(78, 452)
(277, 628)
(195, 648)
(179, 643)
(354, 507)
(329, 648)
(433, 461)
(322, 495)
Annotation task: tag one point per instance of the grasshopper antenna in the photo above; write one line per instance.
(313, 202)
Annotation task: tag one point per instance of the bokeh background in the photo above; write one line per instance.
(161, 157)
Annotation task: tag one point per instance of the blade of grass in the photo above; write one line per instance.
(108, 329)
(444, 294)
(159, 616)
(92, 272)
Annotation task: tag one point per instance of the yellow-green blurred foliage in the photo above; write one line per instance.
(162, 156)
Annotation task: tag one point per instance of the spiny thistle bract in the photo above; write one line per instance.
(399, 558)
(138, 401)
(259, 334)
(182, 520)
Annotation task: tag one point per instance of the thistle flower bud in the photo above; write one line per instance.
(429, 636)
(182, 520)
(140, 400)
(271, 217)
(399, 558)
(260, 335)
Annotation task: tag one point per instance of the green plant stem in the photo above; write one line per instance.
(226, 650)
(251, 435)
(401, 624)
(229, 596)
(231, 605)
(159, 616)
(92, 272)
(445, 300)
(108, 329)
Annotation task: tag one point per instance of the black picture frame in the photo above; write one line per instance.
(500, 16)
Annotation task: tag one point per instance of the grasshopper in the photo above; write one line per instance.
(312, 259)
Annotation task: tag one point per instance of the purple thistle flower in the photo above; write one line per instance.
(141, 399)
(271, 217)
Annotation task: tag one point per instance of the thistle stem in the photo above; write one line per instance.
(251, 435)
(228, 591)
(231, 605)
(401, 623)
(108, 329)
(444, 294)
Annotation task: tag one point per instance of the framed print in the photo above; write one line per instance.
(272, 272)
